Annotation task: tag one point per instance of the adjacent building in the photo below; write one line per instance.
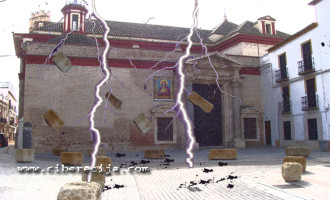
(143, 84)
(295, 78)
(8, 110)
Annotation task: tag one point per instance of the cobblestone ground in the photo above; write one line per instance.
(257, 170)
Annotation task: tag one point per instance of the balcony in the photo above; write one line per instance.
(286, 107)
(306, 66)
(12, 123)
(3, 120)
(310, 102)
(281, 75)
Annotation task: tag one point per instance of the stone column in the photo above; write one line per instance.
(238, 140)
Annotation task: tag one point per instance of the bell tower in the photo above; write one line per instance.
(74, 13)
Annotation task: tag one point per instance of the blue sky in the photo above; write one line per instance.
(291, 16)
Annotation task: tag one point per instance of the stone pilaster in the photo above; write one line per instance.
(238, 140)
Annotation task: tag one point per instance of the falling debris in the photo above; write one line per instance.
(201, 102)
(192, 183)
(209, 181)
(62, 62)
(113, 100)
(133, 164)
(168, 160)
(205, 170)
(205, 182)
(119, 155)
(222, 164)
(143, 122)
(144, 161)
(116, 186)
(220, 180)
(53, 120)
(231, 177)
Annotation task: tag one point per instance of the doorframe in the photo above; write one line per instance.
(224, 87)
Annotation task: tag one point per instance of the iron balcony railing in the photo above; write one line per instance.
(309, 102)
(286, 107)
(306, 66)
(281, 75)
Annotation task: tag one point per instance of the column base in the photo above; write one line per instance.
(239, 143)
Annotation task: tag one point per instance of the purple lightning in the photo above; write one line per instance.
(98, 99)
(179, 99)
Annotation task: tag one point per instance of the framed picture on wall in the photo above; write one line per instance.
(163, 88)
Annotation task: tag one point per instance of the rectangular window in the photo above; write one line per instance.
(311, 95)
(250, 128)
(286, 99)
(268, 29)
(312, 129)
(307, 56)
(287, 130)
(75, 22)
(282, 59)
(164, 129)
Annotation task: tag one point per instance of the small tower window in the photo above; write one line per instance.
(268, 29)
(74, 22)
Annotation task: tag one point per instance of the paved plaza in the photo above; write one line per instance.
(256, 174)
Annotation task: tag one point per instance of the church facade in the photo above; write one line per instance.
(137, 109)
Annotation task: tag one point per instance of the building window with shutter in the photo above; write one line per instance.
(164, 129)
(312, 129)
(287, 130)
(250, 128)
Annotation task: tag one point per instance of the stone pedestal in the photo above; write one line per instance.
(298, 151)
(223, 154)
(291, 171)
(80, 191)
(154, 154)
(239, 143)
(104, 160)
(24, 155)
(72, 158)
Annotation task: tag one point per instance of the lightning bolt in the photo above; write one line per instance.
(98, 100)
(179, 99)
